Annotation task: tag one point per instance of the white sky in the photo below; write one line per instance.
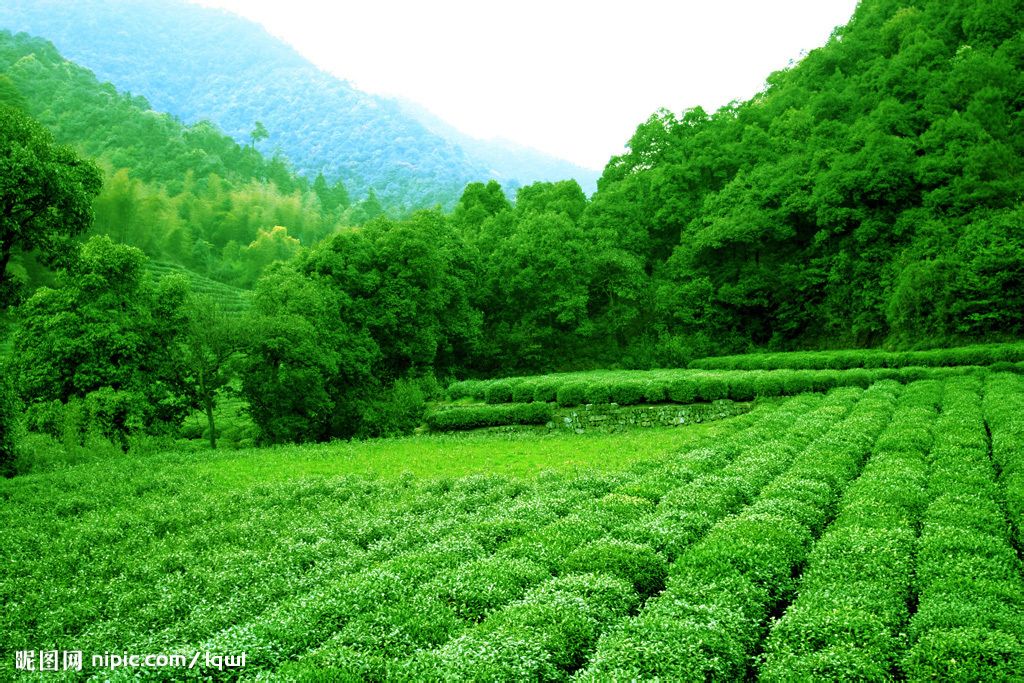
(569, 77)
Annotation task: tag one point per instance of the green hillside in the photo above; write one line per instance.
(229, 299)
(871, 193)
(250, 414)
(204, 64)
(186, 194)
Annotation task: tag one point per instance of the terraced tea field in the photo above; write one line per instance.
(854, 533)
(230, 299)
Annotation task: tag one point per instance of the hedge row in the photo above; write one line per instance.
(986, 354)
(420, 586)
(969, 624)
(686, 514)
(551, 632)
(343, 538)
(472, 417)
(708, 622)
(459, 581)
(848, 619)
(1004, 411)
(683, 386)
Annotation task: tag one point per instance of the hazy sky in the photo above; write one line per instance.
(571, 78)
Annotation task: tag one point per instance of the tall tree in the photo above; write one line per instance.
(208, 340)
(107, 329)
(259, 133)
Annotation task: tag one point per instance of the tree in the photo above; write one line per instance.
(367, 210)
(9, 417)
(333, 198)
(259, 133)
(107, 329)
(208, 340)
(478, 203)
(307, 367)
(46, 193)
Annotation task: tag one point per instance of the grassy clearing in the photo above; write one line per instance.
(425, 456)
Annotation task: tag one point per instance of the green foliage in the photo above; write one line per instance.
(395, 411)
(499, 391)
(566, 574)
(329, 127)
(984, 354)
(1004, 412)
(116, 335)
(480, 586)
(306, 372)
(208, 339)
(10, 417)
(46, 192)
(472, 417)
(637, 564)
(628, 387)
(116, 414)
(571, 394)
(185, 194)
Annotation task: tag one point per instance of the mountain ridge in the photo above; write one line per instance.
(233, 72)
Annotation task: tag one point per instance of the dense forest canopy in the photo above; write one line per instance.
(185, 194)
(870, 195)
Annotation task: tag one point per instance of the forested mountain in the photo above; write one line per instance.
(199, 63)
(188, 194)
(870, 194)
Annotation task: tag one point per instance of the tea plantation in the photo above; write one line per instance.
(841, 530)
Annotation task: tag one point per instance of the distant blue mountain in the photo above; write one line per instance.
(200, 63)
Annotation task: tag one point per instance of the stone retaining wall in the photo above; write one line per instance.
(613, 417)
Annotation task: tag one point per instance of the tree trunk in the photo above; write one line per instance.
(5, 256)
(208, 402)
(207, 395)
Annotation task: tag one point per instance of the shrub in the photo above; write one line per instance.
(682, 390)
(610, 597)
(477, 588)
(768, 384)
(684, 635)
(545, 389)
(633, 562)
(116, 414)
(499, 391)
(473, 417)
(395, 411)
(655, 391)
(597, 391)
(550, 544)
(824, 380)
(797, 382)
(563, 625)
(9, 426)
(713, 388)
(470, 388)
(479, 656)
(572, 394)
(743, 388)
(965, 654)
(628, 391)
(522, 392)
